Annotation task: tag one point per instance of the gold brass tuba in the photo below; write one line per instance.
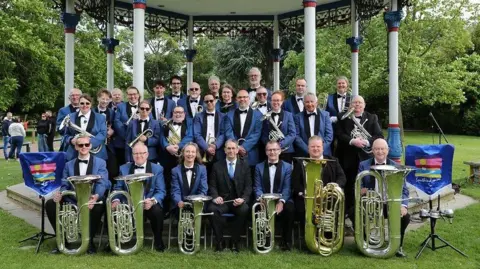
(127, 219)
(189, 227)
(369, 216)
(324, 210)
(263, 222)
(73, 221)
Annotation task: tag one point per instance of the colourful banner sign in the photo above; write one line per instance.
(43, 171)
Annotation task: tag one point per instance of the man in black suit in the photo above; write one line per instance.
(230, 186)
(351, 148)
(331, 173)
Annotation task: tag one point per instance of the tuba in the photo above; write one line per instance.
(73, 221)
(189, 228)
(69, 124)
(127, 219)
(148, 133)
(370, 223)
(263, 223)
(174, 139)
(324, 210)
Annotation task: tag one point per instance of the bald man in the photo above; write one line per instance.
(193, 102)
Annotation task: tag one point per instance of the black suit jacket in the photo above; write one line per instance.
(219, 183)
(331, 173)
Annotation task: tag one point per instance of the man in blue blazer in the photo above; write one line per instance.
(137, 127)
(245, 126)
(162, 108)
(380, 153)
(339, 101)
(84, 164)
(154, 190)
(294, 104)
(274, 176)
(193, 103)
(312, 121)
(264, 100)
(284, 120)
(74, 98)
(176, 86)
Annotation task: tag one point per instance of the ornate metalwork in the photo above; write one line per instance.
(231, 28)
(326, 18)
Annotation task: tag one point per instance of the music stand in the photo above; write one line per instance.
(440, 131)
(432, 236)
(42, 235)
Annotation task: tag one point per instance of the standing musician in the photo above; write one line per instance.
(84, 164)
(189, 177)
(380, 153)
(74, 98)
(331, 173)
(254, 79)
(351, 149)
(137, 127)
(193, 103)
(274, 176)
(89, 122)
(230, 185)
(117, 98)
(214, 87)
(285, 123)
(244, 125)
(226, 104)
(294, 104)
(123, 114)
(176, 86)
(340, 101)
(162, 107)
(154, 190)
(312, 121)
(263, 105)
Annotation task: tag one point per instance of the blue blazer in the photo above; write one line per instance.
(167, 109)
(154, 186)
(121, 116)
(96, 166)
(180, 187)
(95, 126)
(291, 105)
(287, 127)
(332, 105)
(186, 135)
(200, 133)
(282, 181)
(369, 182)
(251, 132)
(324, 130)
(152, 143)
(185, 103)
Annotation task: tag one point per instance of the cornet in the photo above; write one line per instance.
(147, 133)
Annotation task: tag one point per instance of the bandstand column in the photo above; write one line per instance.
(70, 20)
(277, 55)
(190, 53)
(392, 19)
(310, 50)
(139, 7)
(355, 41)
(110, 43)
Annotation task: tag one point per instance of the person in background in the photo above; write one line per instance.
(17, 134)
(51, 130)
(6, 136)
(43, 126)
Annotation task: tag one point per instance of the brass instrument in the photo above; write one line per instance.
(358, 131)
(134, 116)
(263, 222)
(73, 221)
(199, 109)
(147, 133)
(225, 108)
(126, 220)
(324, 210)
(275, 134)
(69, 124)
(322, 100)
(370, 223)
(254, 105)
(211, 140)
(189, 228)
(172, 139)
(347, 99)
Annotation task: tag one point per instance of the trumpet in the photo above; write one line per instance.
(189, 228)
(147, 133)
(210, 141)
(173, 139)
(69, 124)
(275, 134)
(134, 116)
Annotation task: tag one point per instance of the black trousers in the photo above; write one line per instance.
(50, 139)
(113, 167)
(404, 221)
(155, 215)
(286, 218)
(218, 222)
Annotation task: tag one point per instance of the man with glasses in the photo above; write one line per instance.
(176, 86)
(84, 164)
(254, 79)
(162, 107)
(294, 104)
(74, 98)
(262, 98)
(227, 102)
(193, 104)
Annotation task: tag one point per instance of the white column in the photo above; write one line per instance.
(355, 49)
(110, 49)
(190, 50)
(310, 46)
(139, 44)
(276, 55)
(69, 29)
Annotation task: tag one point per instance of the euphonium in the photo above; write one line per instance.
(189, 227)
(369, 215)
(147, 133)
(74, 220)
(324, 211)
(69, 124)
(127, 219)
(263, 222)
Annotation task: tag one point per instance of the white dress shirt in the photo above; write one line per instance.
(189, 176)
(133, 109)
(159, 106)
(276, 118)
(272, 170)
(263, 109)
(178, 130)
(82, 167)
(243, 117)
(311, 121)
(299, 103)
(194, 106)
(341, 101)
(210, 125)
(142, 124)
(140, 170)
(84, 120)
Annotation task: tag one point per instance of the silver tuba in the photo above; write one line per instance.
(275, 134)
(263, 222)
(358, 131)
(190, 223)
(147, 133)
(69, 124)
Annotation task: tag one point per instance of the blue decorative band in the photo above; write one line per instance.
(392, 19)
(277, 55)
(110, 44)
(394, 142)
(190, 54)
(354, 43)
(140, 2)
(70, 21)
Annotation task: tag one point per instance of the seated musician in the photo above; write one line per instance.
(154, 190)
(273, 176)
(84, 164)
(380, 153)
(332, 172)
(230, 185)
(189, 177)
(227, 103)
(137, 127)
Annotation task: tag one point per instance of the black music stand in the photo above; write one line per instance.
(439, 129)
(42, 235)
(432, 236)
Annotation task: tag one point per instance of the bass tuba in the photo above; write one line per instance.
(324, 210)
(73, 221)
(126, 220)
(263, 222)
(369, 216)
(189, 228)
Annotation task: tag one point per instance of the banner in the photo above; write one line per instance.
(43, 171)
(434, 168)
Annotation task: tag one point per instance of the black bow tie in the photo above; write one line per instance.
(102, 112)
(174, 95)
(300, 99)
(144, 121)
(275, 114)
(82, 116)
(242, 111)
(211, 114)
(134, 106)
(193, 101)
(262, 105)
(272, 164)
(83, 161)
(312, 114)
(217, 97)
(188, 169)
(252, 90)
(358, 117)
(138, 167)
(177, 123)
(381, 164)
(340, 96)
(159, 99)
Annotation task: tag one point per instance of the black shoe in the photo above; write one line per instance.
(160, 247)
(91, 249)
(235, 248)
(55, 251)
(107, 249)
(400, 253)
(286, 246)
(219, 247)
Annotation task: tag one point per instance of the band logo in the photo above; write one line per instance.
(43, 171)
